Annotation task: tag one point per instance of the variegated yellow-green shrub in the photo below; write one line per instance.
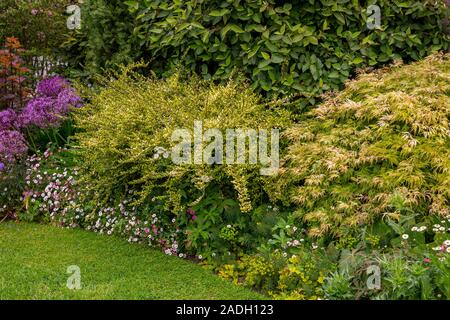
(379, 148)
(125, 133)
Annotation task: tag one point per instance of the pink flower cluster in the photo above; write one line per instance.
(191, 213)
(53, 194)
(35, 12)
(125, 220)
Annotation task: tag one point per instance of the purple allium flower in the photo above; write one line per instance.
(55, 99)
(53, 86)
(2, 166)
(66, 99)
(12, 145)
(8, 119)
(39, 112)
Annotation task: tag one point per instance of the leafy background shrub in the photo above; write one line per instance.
(302, 48)
(37, 24)
(14, 88)
(40, 26)
(377, 149)
(107, 28)
(125, 131)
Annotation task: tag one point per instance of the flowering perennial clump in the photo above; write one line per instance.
(52, 87)
(49, 193)
(54, 99)
(12, 145)
(8, 119)
(52, 193)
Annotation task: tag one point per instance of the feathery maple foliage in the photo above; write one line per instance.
(379, 148)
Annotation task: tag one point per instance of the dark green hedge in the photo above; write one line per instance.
(285, 47)
(105, 39)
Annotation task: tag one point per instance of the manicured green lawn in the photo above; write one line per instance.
(34, 260)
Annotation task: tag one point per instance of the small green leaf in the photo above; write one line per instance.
(219, 13)
(358, 60)
(277, 58)
(265, 55)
